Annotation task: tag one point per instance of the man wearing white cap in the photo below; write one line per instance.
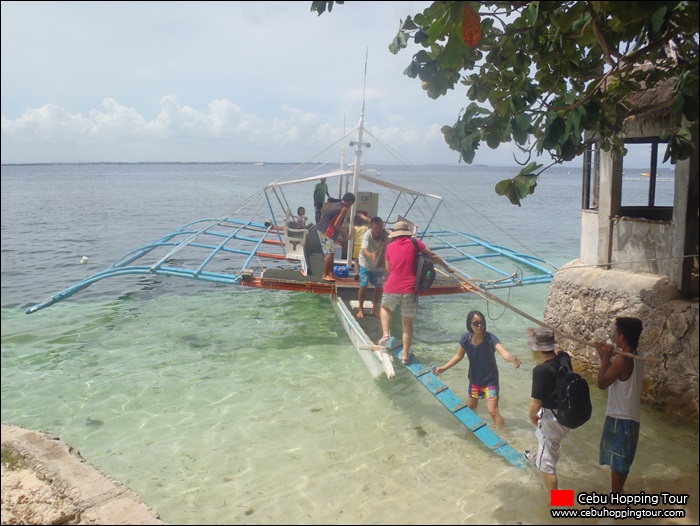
(400, 285)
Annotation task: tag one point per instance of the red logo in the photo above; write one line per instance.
(561, 497)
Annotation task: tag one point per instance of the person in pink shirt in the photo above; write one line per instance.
(400, 285)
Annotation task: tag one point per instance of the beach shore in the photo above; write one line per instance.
(46, 481)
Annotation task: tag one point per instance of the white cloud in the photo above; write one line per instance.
(178, 130)
(211, 81)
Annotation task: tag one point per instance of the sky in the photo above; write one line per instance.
(214, 82)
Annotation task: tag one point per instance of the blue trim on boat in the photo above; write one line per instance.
(189, 249)
(457, 407)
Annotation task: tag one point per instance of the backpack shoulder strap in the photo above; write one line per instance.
(553, 366)
(418, 252)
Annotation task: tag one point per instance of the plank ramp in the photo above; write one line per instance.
(473, 422)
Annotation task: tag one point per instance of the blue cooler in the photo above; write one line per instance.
(341, 271)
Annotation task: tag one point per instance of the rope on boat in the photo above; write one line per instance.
(629, 262)
(556, 331)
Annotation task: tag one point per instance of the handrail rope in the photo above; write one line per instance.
(622, 263)
(556, 331)
(518, 271)
(472, 289)
(488, 308)
(482, 296)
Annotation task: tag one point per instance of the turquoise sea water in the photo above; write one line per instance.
(221, 405)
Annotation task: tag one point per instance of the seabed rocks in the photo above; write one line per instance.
(46, 481)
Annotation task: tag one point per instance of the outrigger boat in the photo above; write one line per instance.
(270, 251)
(273, 253)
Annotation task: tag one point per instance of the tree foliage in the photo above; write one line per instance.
(554, 77)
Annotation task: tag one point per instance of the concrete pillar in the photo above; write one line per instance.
(609, 199)
(685, 222)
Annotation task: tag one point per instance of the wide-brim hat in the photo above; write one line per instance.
(401, 228)
(542, 340)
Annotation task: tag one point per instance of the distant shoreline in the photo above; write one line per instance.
(264, 163)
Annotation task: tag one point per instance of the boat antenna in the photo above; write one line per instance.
(358, 157)
(342, 151)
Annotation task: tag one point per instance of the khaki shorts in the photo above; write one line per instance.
(408, 302)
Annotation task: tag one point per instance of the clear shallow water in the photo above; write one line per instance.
(220, 405)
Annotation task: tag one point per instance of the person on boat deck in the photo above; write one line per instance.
(549, 431)
(622, 377)
(400, 263)
(480, 347)
(301, 218)
(372, 253)
(361, 226)
(320, 194)
(329, 228)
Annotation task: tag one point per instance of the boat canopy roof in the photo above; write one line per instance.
(364, 176)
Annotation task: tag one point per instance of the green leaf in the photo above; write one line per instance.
(658, 19)
(530, 168)
(556, 75)
(505, 187)
(525, 185)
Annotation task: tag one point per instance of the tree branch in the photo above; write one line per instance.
(609, 52)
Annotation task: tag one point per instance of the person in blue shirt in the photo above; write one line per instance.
(480, 347)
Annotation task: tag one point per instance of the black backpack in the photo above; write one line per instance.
(572, 394)
(425, 270)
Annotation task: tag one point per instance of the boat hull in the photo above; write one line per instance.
(378, 361)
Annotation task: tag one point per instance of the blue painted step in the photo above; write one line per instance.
(457, 407)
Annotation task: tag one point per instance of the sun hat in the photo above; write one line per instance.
(542, 340)
(400, 229)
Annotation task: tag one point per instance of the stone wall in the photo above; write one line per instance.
(583, 302)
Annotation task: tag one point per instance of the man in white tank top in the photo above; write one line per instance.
(622, 377)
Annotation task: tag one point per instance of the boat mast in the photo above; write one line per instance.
(358, 163)
(342, 160)
(360, 131)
